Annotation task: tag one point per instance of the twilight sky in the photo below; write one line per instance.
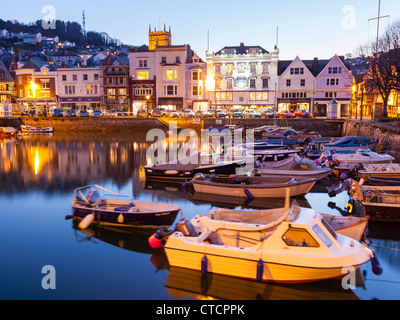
(307, 28)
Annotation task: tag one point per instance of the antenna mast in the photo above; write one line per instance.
(84, 22)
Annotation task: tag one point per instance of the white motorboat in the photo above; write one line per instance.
(36, 130)
(296, 167)
(349, 226)
(252, 187)
(363, 156)
(294, 246)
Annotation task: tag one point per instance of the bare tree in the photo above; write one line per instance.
(382, 63)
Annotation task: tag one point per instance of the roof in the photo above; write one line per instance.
(36, 64)
(7, 76)
(315, 66)
(242, 49)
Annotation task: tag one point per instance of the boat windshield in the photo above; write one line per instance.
(321, 234)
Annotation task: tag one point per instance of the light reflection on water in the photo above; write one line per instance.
(37, 177)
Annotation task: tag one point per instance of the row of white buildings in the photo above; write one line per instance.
(235, 76)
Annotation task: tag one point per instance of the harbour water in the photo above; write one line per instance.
(37, 177)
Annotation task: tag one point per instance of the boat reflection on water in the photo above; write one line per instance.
(184, 283)
(132, 239)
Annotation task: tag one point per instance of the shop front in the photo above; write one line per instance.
(80, 103)
(36, 106)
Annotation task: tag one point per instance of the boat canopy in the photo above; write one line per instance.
(293, 162)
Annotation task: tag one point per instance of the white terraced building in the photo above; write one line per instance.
(242, 77)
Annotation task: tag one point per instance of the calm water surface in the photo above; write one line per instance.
(37, 178)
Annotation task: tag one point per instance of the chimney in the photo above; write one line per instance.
(315, 67)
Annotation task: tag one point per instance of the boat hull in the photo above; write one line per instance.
(257, 191)
(106, 217)
(300, 174)
(246, 268)
(153, 173)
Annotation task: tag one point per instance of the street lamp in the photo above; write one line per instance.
(147, 105)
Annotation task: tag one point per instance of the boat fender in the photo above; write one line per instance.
(376, 266)
(121, 218)
(260, 270)
(248, 194)
(154, 242)
(204, 265)
(86, 221)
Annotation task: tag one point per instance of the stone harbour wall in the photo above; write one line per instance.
(388, 135)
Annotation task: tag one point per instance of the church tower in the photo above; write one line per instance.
(159, 38)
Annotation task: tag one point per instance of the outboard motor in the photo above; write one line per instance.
(345, 185)
(158, 239)
(353, 172)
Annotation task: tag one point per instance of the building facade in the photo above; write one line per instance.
(242, 76)
(7, 85)
(36, 87)
(296, 86)
(166, 75)
(115, 91)
(335, 81)
(79, 88)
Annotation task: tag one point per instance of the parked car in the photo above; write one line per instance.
(202, 114)
(57, 112)
(286, 114)
(156, 112)
(83, 113)
(303, 114)
(173, 114)
(70, 113)
(237, 113)
(141, 113)
(122, 114)
(97, 113)
(187, 113)
(251, 113)
(267, 113)
(219, 113)
(113, 113)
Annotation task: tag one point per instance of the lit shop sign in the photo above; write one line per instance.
(241, 83)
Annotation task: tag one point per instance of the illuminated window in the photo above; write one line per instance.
(217, 96)
(170, 75)
(223, 95)
(229, 68)
(265, 95)
(143, 75)
(252, 96)
(229, 96)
